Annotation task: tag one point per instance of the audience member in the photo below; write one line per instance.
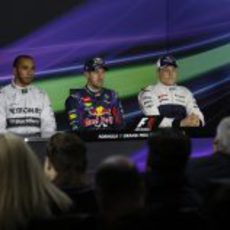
(25, 194)
(168, 194)
(120, 192)
(66, 166)
(208, 169)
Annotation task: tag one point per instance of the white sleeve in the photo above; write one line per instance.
(192, 107)
(149, 105)
(2, 113)
(48, 123)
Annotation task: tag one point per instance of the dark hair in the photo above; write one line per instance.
(67, 153)
(168, 149)
(119, 178)
(19, 58)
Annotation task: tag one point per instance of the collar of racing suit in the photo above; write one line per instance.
(167, 87)
(22, 89)
(94, 94)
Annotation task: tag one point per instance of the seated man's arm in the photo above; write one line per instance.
(2, 113)
(117, 112)
(72, 110)
(149, 105)
(48, 123)
(193, 111)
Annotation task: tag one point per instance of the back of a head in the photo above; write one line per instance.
(168, 150)
(118, 181)
(19, 167)
(223, 136)
(67, 153)
(25, 192)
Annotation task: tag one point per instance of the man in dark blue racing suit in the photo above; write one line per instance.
(94, 107)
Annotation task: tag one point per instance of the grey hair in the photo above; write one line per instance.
(223, 136)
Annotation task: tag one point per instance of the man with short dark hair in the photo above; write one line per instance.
(168, 150)
(168, 104)
(168, 154)
(94, 107)
(66, 166)
(119, 190)
(25, 109)
(66, 160)
(168, 194)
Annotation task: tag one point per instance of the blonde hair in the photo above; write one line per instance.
(25, 192)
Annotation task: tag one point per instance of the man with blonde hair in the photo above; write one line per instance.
(168, 104)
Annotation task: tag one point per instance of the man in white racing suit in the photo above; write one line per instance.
(167, 104)
(25, 109)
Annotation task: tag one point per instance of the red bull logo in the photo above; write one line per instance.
(100, 111)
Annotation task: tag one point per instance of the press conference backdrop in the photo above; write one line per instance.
(130, 35)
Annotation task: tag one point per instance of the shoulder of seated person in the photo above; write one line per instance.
(183, 89)
(77, 92)
(5, 88)
(148, 88)
(109, 91)
(38, 90)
